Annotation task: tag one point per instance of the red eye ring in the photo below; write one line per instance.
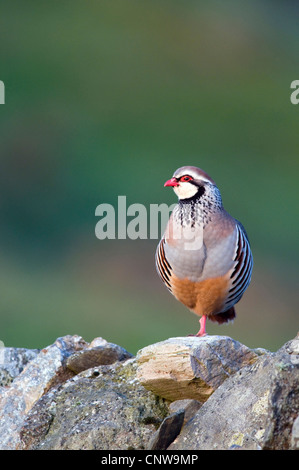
(186, 178)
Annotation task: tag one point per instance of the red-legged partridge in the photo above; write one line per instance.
(204, 256)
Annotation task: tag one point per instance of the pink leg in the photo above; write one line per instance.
(202, 331)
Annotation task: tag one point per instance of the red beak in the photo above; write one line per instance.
(172, 182)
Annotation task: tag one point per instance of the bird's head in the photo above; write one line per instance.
(191, 182)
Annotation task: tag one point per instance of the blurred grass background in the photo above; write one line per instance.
(109, 98)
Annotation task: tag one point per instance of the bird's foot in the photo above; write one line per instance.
(202, 331)
(199, 335)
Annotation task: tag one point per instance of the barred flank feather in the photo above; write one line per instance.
(163, 267)
(241, 275)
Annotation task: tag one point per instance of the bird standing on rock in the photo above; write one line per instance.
(204, 256)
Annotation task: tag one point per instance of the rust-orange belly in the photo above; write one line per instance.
(205, 297)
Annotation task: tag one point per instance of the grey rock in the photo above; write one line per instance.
(168, 431)
(13, 361)
(99, 352)
(284, 397)
(198, 393)
(292, 348)
(101, 408)
(190, 407)
(295, 435)
(44, 371)
(253, 409)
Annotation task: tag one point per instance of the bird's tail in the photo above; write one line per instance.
(223, 317)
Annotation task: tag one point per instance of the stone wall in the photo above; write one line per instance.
(183, 393)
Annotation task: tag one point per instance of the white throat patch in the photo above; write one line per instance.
(185, 190)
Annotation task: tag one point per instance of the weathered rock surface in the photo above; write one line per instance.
(99, 409)
(44, 369)
(182, 393)
(13, 361)
(97, 353)
(168, 431)
(191, 367)
(295, 434)
(190, 407)
(255, 408)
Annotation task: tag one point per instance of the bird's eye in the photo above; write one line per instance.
(186, 178)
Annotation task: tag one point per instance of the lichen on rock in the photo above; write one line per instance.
(101, 408)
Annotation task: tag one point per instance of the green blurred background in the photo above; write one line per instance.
(108, 98)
